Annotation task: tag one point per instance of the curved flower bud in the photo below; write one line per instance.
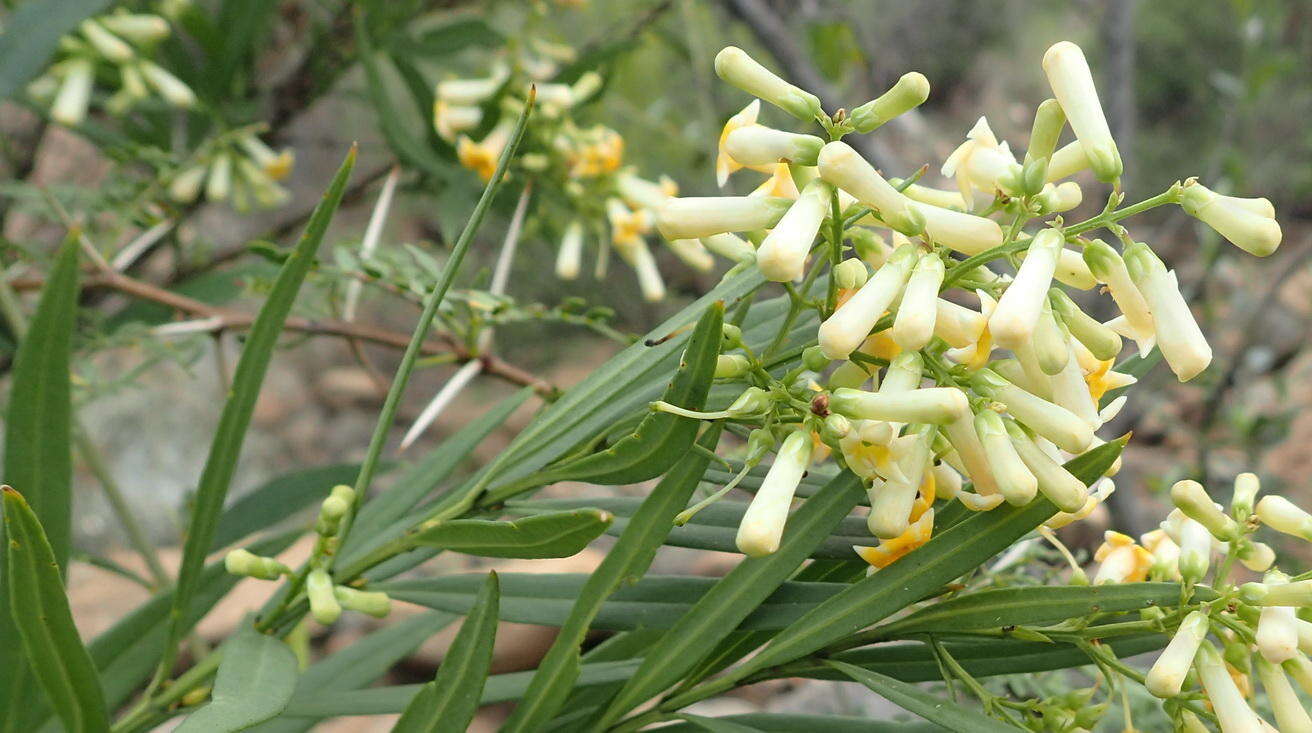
(1049, 120)
(1054, 199)
(1277, 627)
(1291, 715)
(374, 603)
(730, 247)
(323, 601)
(847, 327)
(1232, 712)
(913, 326)
(758, 145)
(570, 255)
(1100, 340)
(171, 88)
(891, 506)
(1013, 320)
(1283, 515)
(1051, 421)
(1178, 336)
(704, 216)
(842, 166)
(74, 96)
(1055, 482)
(762, 526)
(1248, 224)
(936, 405)
(244, 562)
(108, 45)
(1167, 674)
(910, 91)
(1068, 160)
(1192, 499)
(691, 253)
(965, 233)
(1015, 482)
(782, 256)
(733, 65)
(851, 274)
(1106, 265)
(1072, 84)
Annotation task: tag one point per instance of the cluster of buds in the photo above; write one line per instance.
(118, 45)
(1255, 624)
(326, 598)
(236, 167)
(603, 199)
(934, 374)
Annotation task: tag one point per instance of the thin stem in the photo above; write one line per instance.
(1169, 196)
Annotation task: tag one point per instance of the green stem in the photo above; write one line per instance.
(1169, 196)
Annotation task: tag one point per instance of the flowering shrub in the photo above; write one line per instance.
(926, 390)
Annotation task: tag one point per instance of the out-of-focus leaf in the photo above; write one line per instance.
(556, 534)
(408, 146)
(627, 561)
(38, 458)
(793, 722)
(449, 702)
(255, 680)
(448, 39)
(31, 32)
(909, 697)
(45, 624)
(225, 450)
(718, 725)
(279, 498)
(652, 602)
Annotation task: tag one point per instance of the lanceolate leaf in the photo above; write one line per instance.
(661, 438)
(556, 534)
(934, 709)
(45, 624)
(255, 680)
(627, 561)
(736, 596)
(38, 458)
(449, 702)
(793, 722)
(949, 555)
(225, 450)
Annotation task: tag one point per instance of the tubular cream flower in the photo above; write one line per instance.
(758, 145)
(1070, 391)
(1072, 84)
(1049, 120)
(1192, 499)
(891, 506)
(1248, 224)
(171, 88)
(1245, 494)
(641, 193)
(1015, 482)
(762, 526)
(1291, 715)
(1100, 340)
(1232, 712)
(1136, 321)
(980, 163)
(1167, 674)
(1277, 594)
(910, 91)
(1061, 426)
(935, 405)
(696, 217)
(691, 253)
(974, 462)
(849, 325)
(913, 326)
(74, 96)
(1012, 322)
(733, 65)
(957, 325)
(890, 551)
(842, 166)
(965, 233)
(1166, 554)
(1178, 336)
(782, 256)
(1067, 161)
(481, 157)
(108, 45)
(1055, 482)
(1123, 561)
(932, 196)
(1195, 549)
(570, 255)
(1277, 626)
(1283, 515)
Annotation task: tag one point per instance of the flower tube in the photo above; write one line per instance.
(890, 507)
(1291, 716)
(1070, 391)
(758, 145)
(910, 91)
(936, 405)
(1051, 421)
(957, 325)
(842, 166)
(639, 192)
(1100, 340)
(848, 326)
(762, 525)
(1110, 269)
(1178, 336)
(1248, 224)
(737, 68)
(691, 253)
(1232, 712)
(703, 216)
(1054, 481)
(1067, 161)
(965, 233)
(1277, 626)
(1013, 321)
(70, 105)
(1049, 120)
(782, 256)
(1283, 515)
(1167, 674)
(570, 255)
(730, 247)
(1277, 594)
(1192, 499)
(1195, 550)
(913, 326)
(1072, 84)
(1015, 482)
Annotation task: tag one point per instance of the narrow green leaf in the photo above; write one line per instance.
(408, 146)
(32, 31)
(255, 680)
(556, 534)
(793, 722)
(718, 725)
(45, 624)
(660, 439)
(38, 452)
(225, 450)
(949, 555)
(449, 702)
(627, 561)
(909, 697)
(715, 615)
(651, 602)
(278, 499)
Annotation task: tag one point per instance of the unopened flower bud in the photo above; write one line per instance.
(1298, 594)
(1054, 199)
(1167, 674)
(782, 256)
(1178, 336)
(1245, 495)
(136, 27)
(913, 326)
(1249, 224)
(843, 167)
(1054, 481)
(1068, 160)
(1282, 515)
(1100, 340)
(185, 186)
(762, 525)
(1106, 265)
(1049, 119)
(869, 246)
(1195, 550)
(910, 91)
(935, 405)
(835, 428)
(108, 45)
(813, 358)
(244, 562)
(171, 88)
(731, 366)
(323, 600)
(1232, 711)
(1256, 556)
(734, 66)
(1015, 481)
(730, 247)
(851, 274)
(1192, 499)
(848, 326)
(731, 335)
(1051, 421)
(704, 216)
(570, 255)
(758, 145)
(1277, 627)
(338, 503)
(1290, 713)
(74, 95)
(1050, 344)
(1072, 84)
(374, 603)
(1017, 312)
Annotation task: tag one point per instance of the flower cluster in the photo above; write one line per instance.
(237, 167)
(117, 46)
(602, 197)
